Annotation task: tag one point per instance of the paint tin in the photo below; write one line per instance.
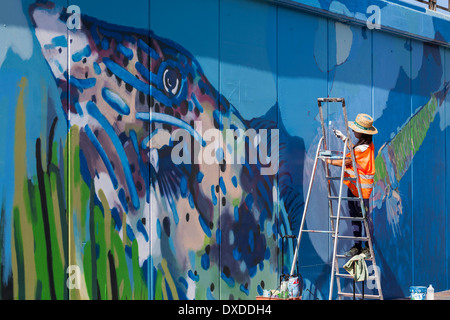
(294, 287)
(266, 293)
(418, 292)
(284, 290)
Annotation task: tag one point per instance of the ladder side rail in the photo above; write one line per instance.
(327, 170)
(374, 263)
(338, 216)
(322, 124)
(306, 206)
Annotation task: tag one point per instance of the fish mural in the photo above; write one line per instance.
(127, 173)
(210, 219)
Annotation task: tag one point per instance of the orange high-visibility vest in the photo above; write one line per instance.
(365, 163)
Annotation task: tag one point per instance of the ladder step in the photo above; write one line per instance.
(344, 198)
(341, 256)
(358, 295)
(349, 276)
(339, 178)
(330, 99)
(351, 237)
(318, 231)
(348, 218)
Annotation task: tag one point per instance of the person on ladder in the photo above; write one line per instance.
(364, 151)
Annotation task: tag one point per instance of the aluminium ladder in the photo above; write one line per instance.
(335, 220)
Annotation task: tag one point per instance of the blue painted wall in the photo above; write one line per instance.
(212, 231)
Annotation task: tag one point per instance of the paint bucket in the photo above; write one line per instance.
(284, 290)
(418, 292)
(266, 293)
(294, 287)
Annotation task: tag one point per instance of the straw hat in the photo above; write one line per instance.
(363, 124)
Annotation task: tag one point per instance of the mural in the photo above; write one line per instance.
(134, 168)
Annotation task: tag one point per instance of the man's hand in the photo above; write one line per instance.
(339, 134)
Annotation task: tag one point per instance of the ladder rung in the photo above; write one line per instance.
(345, 257)
(318, 231)
(330, 99)
(349, 276)
(358, 295)
(348, 218)
(344, 198)
(352, 237)
(339, 178)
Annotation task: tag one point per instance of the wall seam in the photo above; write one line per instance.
(412, 166)
(218, 99)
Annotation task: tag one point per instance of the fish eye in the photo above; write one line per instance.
(171, 81)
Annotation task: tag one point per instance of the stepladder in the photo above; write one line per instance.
(336, 215)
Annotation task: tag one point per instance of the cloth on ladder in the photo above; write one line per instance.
(357, 267)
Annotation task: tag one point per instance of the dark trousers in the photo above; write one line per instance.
(354, 210)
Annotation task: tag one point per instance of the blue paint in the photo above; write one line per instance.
(196, 102)
(130, 233)
(213, 195)
(97, 68)
(204, 226)
(82, 84)
(218, 236)
(149, 51)
(260, 290)
(183, 186)
(234, 181)
(105, 44)
(173, 207)
(249, 201)
(116, 217)
(94, 34)
(115, 101)
(59, 41)
(200, 176)
(193, 276)
(251, 240)
(218, 118)
(102, 154)
(183, 282)
(85, 52)
(141, 228)
(220, 155)
(126, 76)
(78, 108)
(93, 111)
(204, 261)
(127, 52)
(123, 200)
(243, 289)
(111, 34)
(209, 295)
(191, 201)
(150, 76)
(222, 185)
(237, 255)
(228, 280)
(168, 291)
(158, 228)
